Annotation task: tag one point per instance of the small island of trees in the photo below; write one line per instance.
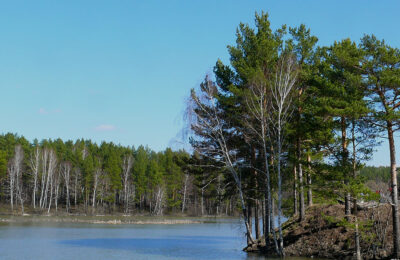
(292, 124)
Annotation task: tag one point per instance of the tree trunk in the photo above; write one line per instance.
(357, 241)
(256, 201)
(249, 222)
(272, 224)
(202, 201)
(309, 191)
(300, 171)
(184, 193)
(34, 164)
(354, 164)
(12, 190)
(280, 197)
(257, 219)
(345, 153)
(267, 228)
(395, 202)
(301, 183)
(76, 188)
(268, 206)
(263, 216)
(295, 199)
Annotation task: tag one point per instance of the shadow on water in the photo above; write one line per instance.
(199, 247)
(183, 246)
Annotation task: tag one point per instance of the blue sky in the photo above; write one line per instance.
(120, 70)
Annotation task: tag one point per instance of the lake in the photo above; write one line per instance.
(221, 240)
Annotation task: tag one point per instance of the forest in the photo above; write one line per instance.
(286, 125)
(82, 177)
(292, 124)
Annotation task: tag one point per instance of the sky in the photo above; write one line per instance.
(121, 71)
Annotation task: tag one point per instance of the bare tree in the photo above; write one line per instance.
(185, 184)
(126, 174)
(11, 179)
(159, 200)
(77, 175)
(44, 174)
(202, 193)
(258, 106)
(51, 178)
(57, 182)
(34, 165)
(206, 119)
(281, 110)
(66, 172)
(15, 177)
(97, 174)
(49, 164)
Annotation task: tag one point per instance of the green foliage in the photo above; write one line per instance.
(381, 66)
(113, 168)
(378, 174)
(149, 171)
(139, 170)
(331, 220)
(3, 164)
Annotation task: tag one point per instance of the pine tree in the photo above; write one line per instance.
(381, 67)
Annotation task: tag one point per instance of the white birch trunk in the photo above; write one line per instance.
(126, 172)
(184, 192)
(209, 121)
(15, 177)
(66, 172)
(95, 184)
(34, 165)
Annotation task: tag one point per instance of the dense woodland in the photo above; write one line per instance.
(292, 123)
(83, 177)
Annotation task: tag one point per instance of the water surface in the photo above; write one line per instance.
(221, 240)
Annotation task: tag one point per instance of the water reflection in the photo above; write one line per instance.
(221, 240)
(176, 247)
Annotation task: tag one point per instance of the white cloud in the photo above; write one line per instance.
(105, 128)
(43, 111)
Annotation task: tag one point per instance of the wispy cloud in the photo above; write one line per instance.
(105, 128)
(44, 111)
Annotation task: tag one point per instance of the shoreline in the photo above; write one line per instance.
(108, 219)
(323, 234)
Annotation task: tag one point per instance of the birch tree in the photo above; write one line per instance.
(34, 164)
(206, 120)
(381, 68)
(279, 115)
(49, 164)
(185, 187)
(66, 174)
(126, 178)
(96, 177)
(159, 200)
(77, 177)
(258, 103)
(57, 182)
(15, 177)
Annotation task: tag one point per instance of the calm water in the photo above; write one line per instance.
(222, 240)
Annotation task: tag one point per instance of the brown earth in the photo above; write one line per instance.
(325, 234)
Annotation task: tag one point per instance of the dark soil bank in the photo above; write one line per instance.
(325, 234)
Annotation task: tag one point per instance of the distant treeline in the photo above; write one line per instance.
(378, 174)
(83, 176)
